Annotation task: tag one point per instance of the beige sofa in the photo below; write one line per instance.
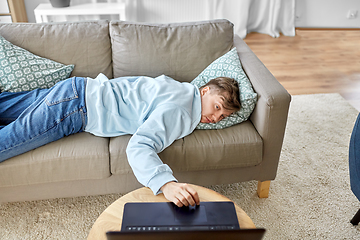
(83, 164)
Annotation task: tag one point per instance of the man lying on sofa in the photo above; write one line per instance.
(156, 111)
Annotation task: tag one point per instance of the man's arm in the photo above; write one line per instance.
(159, 131)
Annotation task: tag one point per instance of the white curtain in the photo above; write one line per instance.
(265, 16)
(272, 17)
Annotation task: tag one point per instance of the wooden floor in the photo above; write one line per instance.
(314, 61)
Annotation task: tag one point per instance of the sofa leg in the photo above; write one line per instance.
(263, 189)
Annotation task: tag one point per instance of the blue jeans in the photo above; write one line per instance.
(32, 119)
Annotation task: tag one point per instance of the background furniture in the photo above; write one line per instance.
(111, 218)
(12, 11)
(44, 10)
(354, 165)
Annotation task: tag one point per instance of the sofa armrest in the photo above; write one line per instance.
(271, 111)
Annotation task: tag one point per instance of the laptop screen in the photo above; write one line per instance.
(240, 234)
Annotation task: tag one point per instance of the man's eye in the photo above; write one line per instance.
(216, 106)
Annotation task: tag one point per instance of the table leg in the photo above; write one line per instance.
(38, 18)
(45, 18)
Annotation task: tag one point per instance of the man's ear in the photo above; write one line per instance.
(204, 90)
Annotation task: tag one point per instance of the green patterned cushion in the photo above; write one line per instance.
(20, 70)
(229, 65)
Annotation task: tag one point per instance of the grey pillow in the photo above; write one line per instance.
(20, 70)
(229, 65)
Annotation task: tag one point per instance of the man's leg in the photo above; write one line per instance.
(58, 113)
(13, 104)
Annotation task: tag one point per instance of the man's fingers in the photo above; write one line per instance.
(177, 202)
(189, 196)
(180, 194)
(194, 195)
(185, 198)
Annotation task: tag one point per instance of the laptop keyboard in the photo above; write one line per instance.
(182, 228)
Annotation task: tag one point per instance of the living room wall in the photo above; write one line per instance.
(326, 13)
(309, 13)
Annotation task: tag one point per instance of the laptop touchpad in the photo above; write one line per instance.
(190, 215)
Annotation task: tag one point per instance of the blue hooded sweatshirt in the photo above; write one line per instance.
(156, 111)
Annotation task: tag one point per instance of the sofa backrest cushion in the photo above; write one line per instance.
(83, 44)
(178, 50)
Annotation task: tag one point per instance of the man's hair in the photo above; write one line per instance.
(229, 89)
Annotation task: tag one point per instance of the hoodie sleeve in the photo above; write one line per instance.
(164, 125)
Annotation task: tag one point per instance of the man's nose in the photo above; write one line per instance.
(217, 117)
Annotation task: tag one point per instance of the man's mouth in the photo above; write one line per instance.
(205, 119)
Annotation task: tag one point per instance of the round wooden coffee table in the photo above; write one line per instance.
(111, 218)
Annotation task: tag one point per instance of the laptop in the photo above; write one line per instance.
(240, 234)
(166, 216)
(164, 220)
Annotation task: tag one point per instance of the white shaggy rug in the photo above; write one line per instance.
(309, 199)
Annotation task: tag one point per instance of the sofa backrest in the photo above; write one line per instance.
(84, 44)
(178, 50)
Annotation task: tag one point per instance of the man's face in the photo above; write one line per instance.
(212, 109)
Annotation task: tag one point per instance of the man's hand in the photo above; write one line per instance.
(181, 194)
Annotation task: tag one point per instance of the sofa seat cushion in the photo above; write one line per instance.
(80, 156)
(201, 150)
(178, 50)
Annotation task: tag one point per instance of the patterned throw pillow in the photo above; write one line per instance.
(20, 70)
(229, 65)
